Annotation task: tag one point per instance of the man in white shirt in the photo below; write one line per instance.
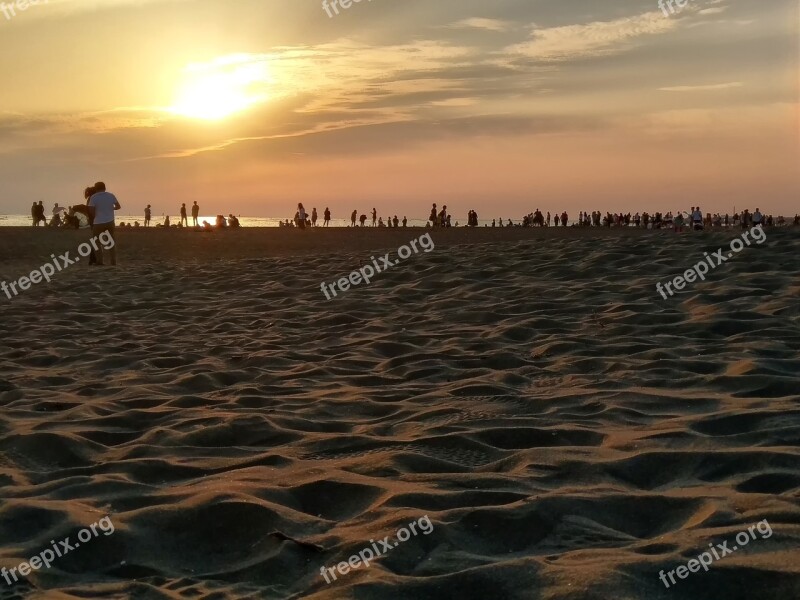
(758, 218)
(102, 205)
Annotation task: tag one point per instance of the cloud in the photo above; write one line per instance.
(592, 39)
(702, 88)
(481, 23)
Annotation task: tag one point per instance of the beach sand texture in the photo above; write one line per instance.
(568, 432)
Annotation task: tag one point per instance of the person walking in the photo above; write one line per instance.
(195, 213)
(102, 205)
(184, 218)
(34, 215)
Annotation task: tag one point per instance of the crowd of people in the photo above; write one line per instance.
(77, 216)
(693, 218)
(303, 220)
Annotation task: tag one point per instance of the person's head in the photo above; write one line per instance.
(88, 192)
(183, 205)
(100, 186)
(195, 202)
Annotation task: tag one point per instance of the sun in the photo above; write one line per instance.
(216, 90)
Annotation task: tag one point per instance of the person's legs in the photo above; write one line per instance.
(97, 230)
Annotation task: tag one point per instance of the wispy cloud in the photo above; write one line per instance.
(592, 39)
(702, 88)
(481, 23)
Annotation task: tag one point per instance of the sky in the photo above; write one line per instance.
(251, 106)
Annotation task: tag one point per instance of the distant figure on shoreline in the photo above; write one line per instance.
(195, 213)
(301, 216)
(314, 217)
(327, 217)
(363, 220)
(353, 218)
(37, 213)
(148, 213)
(184, 217)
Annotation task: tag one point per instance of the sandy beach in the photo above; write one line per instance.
(568, 432)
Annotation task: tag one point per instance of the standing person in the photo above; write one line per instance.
(40, 212)
(327, 216)
(83, 209)
(433, 216)
(374, 217)
(697, 219)
(102, 205)
(363, 220)
(314, 217)
(405, 221)
(34, 215)
(195, 213)
(147, 214)
(301, 216)
(184, 218)
(353, 218)
(758, 218)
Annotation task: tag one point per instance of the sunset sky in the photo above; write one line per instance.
(250, 106)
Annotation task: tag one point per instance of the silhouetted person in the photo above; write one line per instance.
(184, 218)
(195, 213)
(353, 218)
(327, 216)
(147, 214)
(314, 217)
